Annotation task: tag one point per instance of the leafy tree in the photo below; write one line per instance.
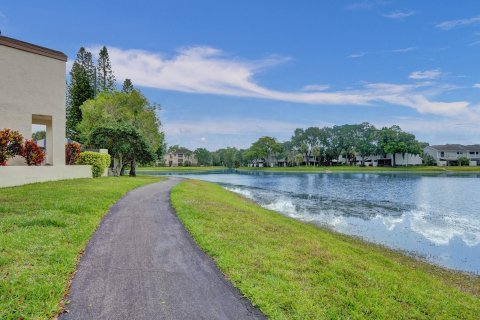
(304, 150)
(39, 135)
(127, 86)
(204, 156)
(132, 108)
(264, 149)
(105, 77)
(428, 160)
(463, 161)
(161, 149)
(114, 107)
(299, 158)
(366, 141)
(125, 143)
(393, 140)
(80, 89)
(317, 152)
(228, 157)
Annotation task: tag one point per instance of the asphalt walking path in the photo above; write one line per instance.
(142, 264)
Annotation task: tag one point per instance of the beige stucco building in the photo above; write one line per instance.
(32, 91)
(180, 158)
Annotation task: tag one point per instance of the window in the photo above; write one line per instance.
(459, 152)
(472, 153)
(442, 154)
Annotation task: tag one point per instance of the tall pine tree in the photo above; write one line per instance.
(80, 89)
(105, 77)
(127, 86)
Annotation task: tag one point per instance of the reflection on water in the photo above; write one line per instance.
(434, 216)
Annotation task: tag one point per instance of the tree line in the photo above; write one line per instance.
(101, 116)
(319, 146)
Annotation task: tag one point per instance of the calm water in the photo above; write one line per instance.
(436, 217)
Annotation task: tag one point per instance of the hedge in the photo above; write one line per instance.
(98, 161)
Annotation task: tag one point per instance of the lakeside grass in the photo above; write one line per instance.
(181, 169)
(323, 169)
(44, 227)
(295, 270)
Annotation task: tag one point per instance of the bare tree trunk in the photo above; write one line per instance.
(117, 166)
(133, 163)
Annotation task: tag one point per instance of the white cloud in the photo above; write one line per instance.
(207, 70)
(356, 55)
(476, 85)
(451, 24)
(399, 15)
(427, 74)
(401, 50)
(316, 87)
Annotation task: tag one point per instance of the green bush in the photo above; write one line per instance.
(98, 161)
(463, 161)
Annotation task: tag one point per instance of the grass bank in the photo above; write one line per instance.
(43, 229)
(181, 169)
(359, 169)
(294, 270)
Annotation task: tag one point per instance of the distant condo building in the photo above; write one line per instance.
(181, 157)
(448, 154)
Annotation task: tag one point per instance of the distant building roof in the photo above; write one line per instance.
(456, 147)
(32, 48)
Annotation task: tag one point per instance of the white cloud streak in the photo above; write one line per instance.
(399, 15)
(356, 55)
(316, 87)
(207, 70)
(476, 85)
(451, 24)
(399, 50)
(426, 74)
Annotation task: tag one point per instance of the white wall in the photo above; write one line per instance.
(19, 175)
(31, 84)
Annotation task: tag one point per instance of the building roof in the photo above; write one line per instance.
(456, 147)
(32, 48)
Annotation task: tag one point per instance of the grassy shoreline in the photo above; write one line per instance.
(44, 227)
(294, 270)
(323, 169)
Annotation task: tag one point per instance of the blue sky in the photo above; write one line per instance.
(228, 72)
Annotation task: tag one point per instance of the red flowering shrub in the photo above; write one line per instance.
(33, 155)
(10, 145)
(72, 151)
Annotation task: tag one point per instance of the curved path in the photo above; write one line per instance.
(142, 264)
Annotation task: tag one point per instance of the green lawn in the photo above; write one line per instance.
(312, 169)
(44, 227)
(294, 270)
(180, 169)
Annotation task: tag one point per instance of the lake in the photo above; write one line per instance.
(433, 216)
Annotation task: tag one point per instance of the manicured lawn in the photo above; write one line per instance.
(294, 270)
(367, 169)
(43, 229)
(180, 169)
